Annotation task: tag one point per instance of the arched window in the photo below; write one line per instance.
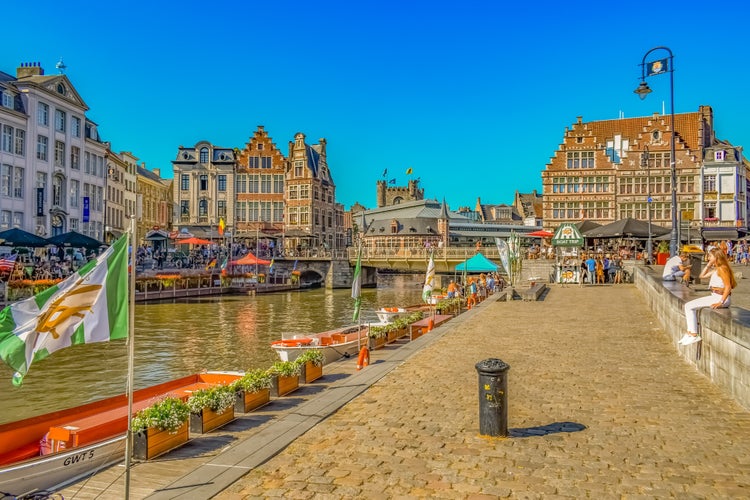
(204, 155)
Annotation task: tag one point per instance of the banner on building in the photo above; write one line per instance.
(86, 208)
(40, 202)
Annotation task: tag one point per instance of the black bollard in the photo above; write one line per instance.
(493, 397)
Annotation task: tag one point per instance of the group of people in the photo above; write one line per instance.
(721, 282)
(476, 288)
(600, 269)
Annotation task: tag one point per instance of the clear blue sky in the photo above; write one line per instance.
(474, 96)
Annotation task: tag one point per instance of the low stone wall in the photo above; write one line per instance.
(724, 354)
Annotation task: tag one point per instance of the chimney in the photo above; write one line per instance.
(157, 171)
(29, 69)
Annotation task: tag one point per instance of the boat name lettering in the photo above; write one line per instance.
(86, 455)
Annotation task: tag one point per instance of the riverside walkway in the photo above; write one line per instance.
(600, 406)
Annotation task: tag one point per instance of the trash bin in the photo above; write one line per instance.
(695, 255)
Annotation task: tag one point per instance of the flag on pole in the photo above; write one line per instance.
(8, 263)
(392, 181)
(357, 286)
(294, 268)
(385, 172)
(89, 306)
(429, 281)
(502, 248)
(222, 225)
(211, 264)
(408, 171)
(270, 267)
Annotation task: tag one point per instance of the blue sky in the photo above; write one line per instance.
(473, 96)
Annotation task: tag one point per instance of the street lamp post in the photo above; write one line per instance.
(656, 68)
(645, 164)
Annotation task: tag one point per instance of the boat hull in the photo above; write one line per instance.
(334, 344)
(52, 472)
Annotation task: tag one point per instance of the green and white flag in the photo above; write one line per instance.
(89, 306)
(429, 281)
(357, 286)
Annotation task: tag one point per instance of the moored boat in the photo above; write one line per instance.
(334, 344)
(49, 451)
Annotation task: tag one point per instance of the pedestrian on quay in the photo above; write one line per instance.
(721, 283)
(677, 267)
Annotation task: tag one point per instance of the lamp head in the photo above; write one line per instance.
(643, 90)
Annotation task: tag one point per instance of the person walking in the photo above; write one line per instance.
(721, 283)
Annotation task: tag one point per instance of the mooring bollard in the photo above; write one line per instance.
(493, 397)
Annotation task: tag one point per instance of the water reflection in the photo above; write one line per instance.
(175, 339)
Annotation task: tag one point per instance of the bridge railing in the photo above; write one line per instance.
(460, 253)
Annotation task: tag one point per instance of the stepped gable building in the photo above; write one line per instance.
(393, 195)
(260, 187)
(52, 160)
(314, 219)
(154, 206)
(604, 171)
(203, 189)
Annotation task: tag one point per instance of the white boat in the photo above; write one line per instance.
(334, 344)
(391, 314)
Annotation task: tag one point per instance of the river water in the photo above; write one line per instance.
(174, 339)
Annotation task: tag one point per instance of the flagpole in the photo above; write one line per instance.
(131, 356)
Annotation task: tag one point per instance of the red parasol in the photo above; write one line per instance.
(192, 241)
(540, 234)
(250, 260)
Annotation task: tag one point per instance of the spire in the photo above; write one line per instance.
(444, 211)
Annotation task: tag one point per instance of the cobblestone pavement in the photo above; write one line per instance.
(600, 406)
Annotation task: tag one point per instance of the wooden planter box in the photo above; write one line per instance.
(376, 343)
(207, 420)
(246, 402)
(310, 372)
(284, 385)
(154, 442)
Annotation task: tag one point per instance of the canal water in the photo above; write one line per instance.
(174, 339)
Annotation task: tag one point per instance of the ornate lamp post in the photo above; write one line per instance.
(656, 68)
(645, 164)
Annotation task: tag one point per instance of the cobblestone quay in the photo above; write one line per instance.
(600, 406)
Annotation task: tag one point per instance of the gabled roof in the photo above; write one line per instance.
(49, 83)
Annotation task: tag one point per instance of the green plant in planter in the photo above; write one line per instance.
(253, 381)
(285, 369)
(314, 356)
(217, 399)
(413, 317)
(169, 414)
(376, 332)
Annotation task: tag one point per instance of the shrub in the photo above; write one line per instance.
(314, 356)
(285, 369)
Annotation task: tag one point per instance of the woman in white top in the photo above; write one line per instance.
(721, 283)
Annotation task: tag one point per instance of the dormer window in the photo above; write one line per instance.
(394, 227)
(7, 101)
(204, 155)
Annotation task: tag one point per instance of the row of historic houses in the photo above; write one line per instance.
(614, 169)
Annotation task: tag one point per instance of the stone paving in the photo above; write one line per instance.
(600, 406)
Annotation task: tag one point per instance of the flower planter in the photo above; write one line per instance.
(376, 343)
(284, 385)
(246, 402)
(208, 420)
(153, 442)
(309, 372)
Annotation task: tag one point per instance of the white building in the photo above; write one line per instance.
(52, 160)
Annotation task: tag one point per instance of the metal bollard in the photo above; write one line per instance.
(493, 397)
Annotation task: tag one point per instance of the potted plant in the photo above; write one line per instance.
(252, 391)
(311, 365)
(211, 408)
(285, 377)
(159, 428)
(377, 336)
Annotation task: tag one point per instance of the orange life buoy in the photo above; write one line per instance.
(364, 358)
(430, 324)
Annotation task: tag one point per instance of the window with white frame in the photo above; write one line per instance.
(293, 192)
(253, 183)
(20, 142)
(253, 211)
(184, 182)
(203, 182)
(86, 162)
(709, 210)
(60, 120)
(278, 211)
(59, 153)
(42, 114)
(298, 168)
(240, 211)
(58, 190)
(75, 157)
(18, 175)
(5, 218)
(17, 219)
(8, 99)
(709, 184)
(265, 211)
(221, 182)
(304, 192)
(75, 193)
(278, 184)
(221, 208)
(304, 215)
(265, 183)
(75, 127)
(580, 159)
(265, 162)
(204, 155)
(74, 225)
(41, 148)
(241, 183)
(293, 216)
(5, 179)
(7, 140)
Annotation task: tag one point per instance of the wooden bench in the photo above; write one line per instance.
(533, 292)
